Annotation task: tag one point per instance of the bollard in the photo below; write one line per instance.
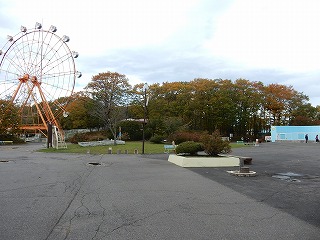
(244, 170)
(241, 163)
(119, 151)
(110, 150)
(136, 151)
(125, 151)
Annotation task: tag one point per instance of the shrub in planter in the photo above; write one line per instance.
(189, 148)
(214, 145)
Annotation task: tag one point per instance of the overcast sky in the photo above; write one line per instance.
(273, 41)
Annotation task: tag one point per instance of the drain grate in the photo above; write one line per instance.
(3, 161)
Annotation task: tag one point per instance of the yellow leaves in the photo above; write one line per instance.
(204, 85)
(278, 97)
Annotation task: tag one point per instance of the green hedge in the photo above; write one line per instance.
(189, 148)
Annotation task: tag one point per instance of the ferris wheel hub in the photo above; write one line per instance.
(24, 78)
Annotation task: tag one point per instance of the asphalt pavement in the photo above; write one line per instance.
(84, 196)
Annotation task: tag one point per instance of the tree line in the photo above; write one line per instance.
(240, 108)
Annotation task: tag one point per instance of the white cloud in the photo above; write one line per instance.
(96, 26)
(177, 40)
(269, 34)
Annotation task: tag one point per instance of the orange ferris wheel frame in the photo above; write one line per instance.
(37, 69)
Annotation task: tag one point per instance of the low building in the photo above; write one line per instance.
(294, 133)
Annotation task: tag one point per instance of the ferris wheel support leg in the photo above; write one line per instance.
(15, 92)
(13, 97)
(49, 141)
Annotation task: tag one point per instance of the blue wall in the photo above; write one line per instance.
(294, 133)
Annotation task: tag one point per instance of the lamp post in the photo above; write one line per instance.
(145, 103)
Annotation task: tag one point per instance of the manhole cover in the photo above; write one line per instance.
(94, 163)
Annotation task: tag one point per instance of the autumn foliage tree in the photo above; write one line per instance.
(111, 92)
(80, 113)
(9, 118)
(305, 115)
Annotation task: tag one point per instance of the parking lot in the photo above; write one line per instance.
(288, 178)
(84, 196)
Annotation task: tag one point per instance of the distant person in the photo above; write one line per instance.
(317, 138)
(306, 137)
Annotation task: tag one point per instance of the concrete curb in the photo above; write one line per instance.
(196, 161)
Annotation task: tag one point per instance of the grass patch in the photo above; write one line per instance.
(130, 146)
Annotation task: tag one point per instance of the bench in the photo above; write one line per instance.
(168, 148)
(5, 142)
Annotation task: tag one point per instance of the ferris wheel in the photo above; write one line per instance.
(37, 77)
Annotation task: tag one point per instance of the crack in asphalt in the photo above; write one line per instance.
(98, 229)
(69, 204)
(131, 222)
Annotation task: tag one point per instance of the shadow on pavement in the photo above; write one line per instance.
(288, 178)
